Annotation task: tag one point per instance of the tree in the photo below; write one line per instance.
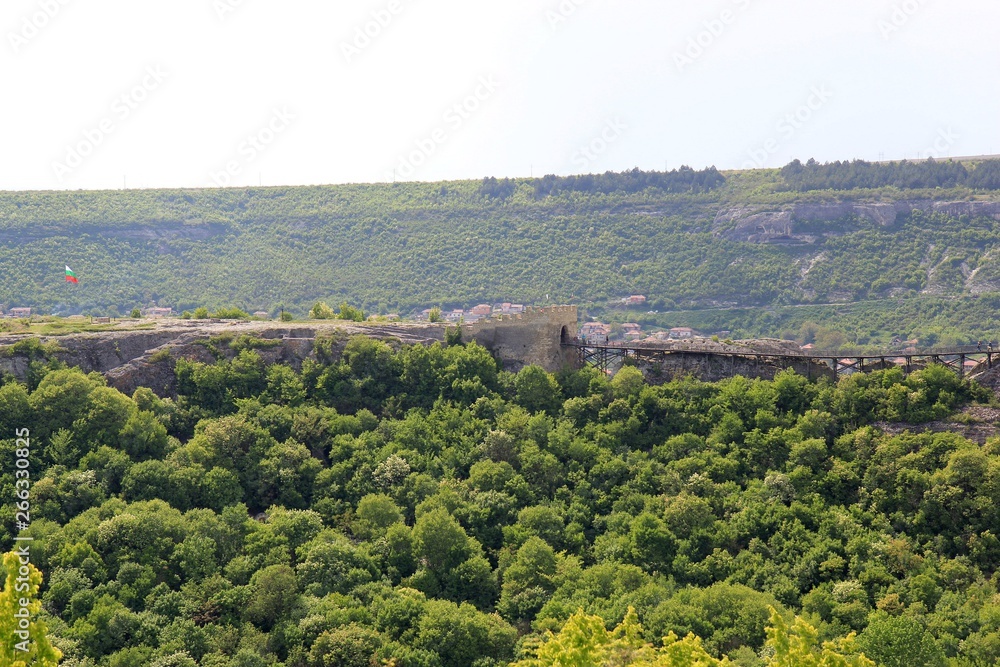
(274, 590)
(529, 581)
(25, 641)
(434, 315)
(349, 646)
(797, 645)
(653, 545)
(899, 641)
(584, 641)
(321, 311)
(350, 313)
(537, 391)
(375, 513)
(136, 314)
(461, 634)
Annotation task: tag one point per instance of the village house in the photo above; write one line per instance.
(634, 300)
(19, 312)
(262, 314)
(482, 310)
(157, 313)
(507, 308)
(594, 331)
(682, 333)
(631, 331)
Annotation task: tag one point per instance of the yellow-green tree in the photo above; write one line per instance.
(585, 642)
(798, 646)
(40, 653)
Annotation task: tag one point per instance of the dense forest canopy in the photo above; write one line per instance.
(419, 506)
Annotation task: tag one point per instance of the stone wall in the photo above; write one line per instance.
(532, 337)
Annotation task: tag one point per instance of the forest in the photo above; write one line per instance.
(859, 174)
(587, 240)
(419, 506)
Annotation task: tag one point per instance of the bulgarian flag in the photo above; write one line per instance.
(70, 276)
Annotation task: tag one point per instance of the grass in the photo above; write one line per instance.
(58, 326)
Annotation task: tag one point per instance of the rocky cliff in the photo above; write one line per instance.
(145, 358)
(797, 223)
(134, 358)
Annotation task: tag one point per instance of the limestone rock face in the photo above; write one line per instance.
(146, 358)
(801, 224)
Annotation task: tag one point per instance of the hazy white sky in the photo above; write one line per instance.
(213, 92)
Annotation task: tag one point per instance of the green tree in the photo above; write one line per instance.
(350, 313)
(899, 641)
(537, 391)
(273, 592)
(321, 311)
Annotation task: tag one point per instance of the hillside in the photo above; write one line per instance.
(761, 252)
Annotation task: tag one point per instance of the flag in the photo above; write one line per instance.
(70, 276)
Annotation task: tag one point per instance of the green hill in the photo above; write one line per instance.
(902, 249)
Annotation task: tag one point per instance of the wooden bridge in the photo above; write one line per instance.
(728, 360)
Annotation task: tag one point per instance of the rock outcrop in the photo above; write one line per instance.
(798, 223)
(146, 357)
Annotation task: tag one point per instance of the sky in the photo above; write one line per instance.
(110, 94)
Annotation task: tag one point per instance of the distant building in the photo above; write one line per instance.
(482, 310)
(19, 312)
(507, 308)
(681, 333)
(596, 331)
(808, 346)
(634, 300)
(454, 315)
(262, 314)
(159, 312)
